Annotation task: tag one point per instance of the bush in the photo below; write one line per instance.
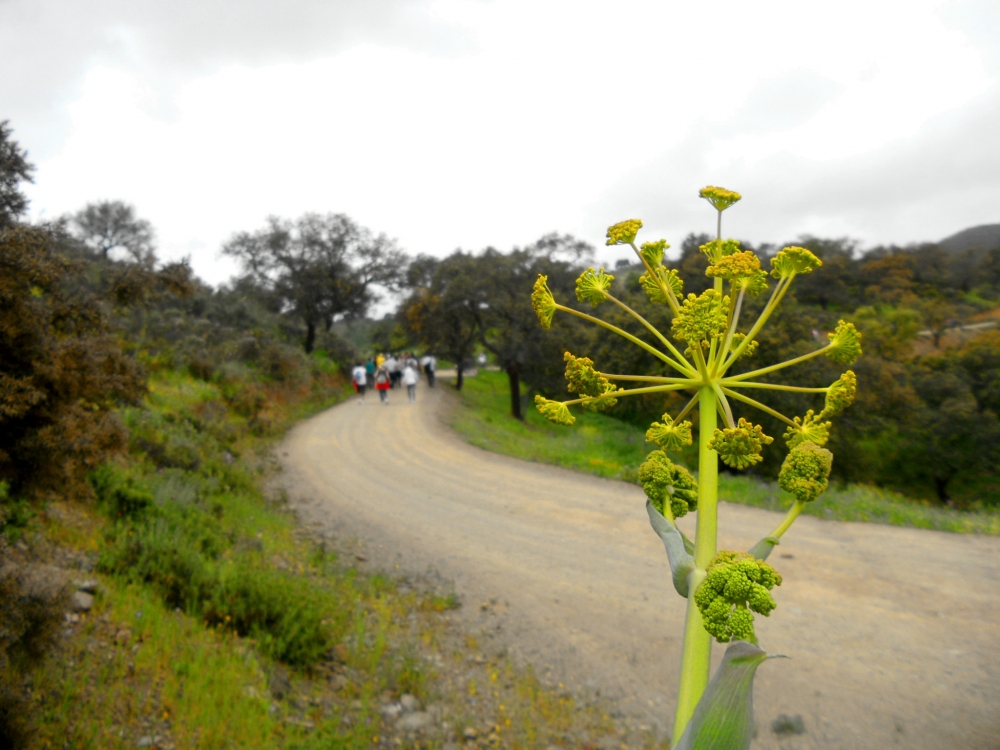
(276, 609)
(118, 494)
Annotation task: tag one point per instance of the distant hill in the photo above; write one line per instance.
(984, 237)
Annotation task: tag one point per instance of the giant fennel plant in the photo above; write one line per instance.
(724, 588)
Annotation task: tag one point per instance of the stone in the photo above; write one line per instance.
(123, 636)
(81, 601)
(786, 724)
(470, 733)
(89, 586)
(148, 740)
(409, 702)
(390, 710)
(414, 722)
(279, 683)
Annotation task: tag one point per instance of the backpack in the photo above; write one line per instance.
(382, 377)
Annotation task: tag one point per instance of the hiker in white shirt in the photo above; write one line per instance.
(410, 378)
(360, 379)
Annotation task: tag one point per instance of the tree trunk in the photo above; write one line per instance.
(460, 379)
(941, 485)
(514, 376)
(310, 337)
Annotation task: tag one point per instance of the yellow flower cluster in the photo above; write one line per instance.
(701, 318)
(792, 261)
(716, 250)
(653, 290)
(742, 269)
(840, 395)
(667, 484)
(652, 252)
(554, 411)
(740, 446)
(749, 351)
(719, 197)
(809, 428)
(542, 301)
(624, 232)
(592, 286)
(668, 435)
(846, 342)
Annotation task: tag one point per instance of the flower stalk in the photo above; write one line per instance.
(733, 585)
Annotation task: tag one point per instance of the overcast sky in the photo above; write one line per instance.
(466, 123)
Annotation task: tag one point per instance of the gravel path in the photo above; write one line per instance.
(892, 632)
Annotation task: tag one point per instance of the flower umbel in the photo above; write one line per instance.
(740, 446)
(792, 261)
(653, 290)
(846, 342)
(542, 301)
(592, 286)
(701, 318)
(716, 250)
(554, 411)
(719, 197)
(805, 471)
(583, 379)
(670, 488)
(652, 252)
(808, 428)
(736, 585)
(624, 232)
(670, 436)
(840, 395)
(742, 269)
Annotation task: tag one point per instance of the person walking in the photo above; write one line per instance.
(370, 372)
(382, 383)
(429, 363)
(392, 364)
(410, 377)
(360, 379)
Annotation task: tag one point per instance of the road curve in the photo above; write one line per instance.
(892, 632)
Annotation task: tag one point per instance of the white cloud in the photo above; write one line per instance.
(456, 123)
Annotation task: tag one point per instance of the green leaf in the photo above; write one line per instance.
(723, 718)
(763, 548)
(681, 562)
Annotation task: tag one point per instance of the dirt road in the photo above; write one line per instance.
(892, 632)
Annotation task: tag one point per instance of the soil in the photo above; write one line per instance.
(891, 632)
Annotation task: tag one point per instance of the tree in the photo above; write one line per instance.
(320, 267)
(113, 225)
(441, 311)
(506, 323)
(14, 168)
(62, 374)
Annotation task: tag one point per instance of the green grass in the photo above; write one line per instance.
(602, 445)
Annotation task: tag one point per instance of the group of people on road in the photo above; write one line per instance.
(384, 373)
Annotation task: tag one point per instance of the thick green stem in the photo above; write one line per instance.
(697, 654)
(792, 514)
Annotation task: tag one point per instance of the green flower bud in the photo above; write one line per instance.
(805, 471)
(583, 379)
(624, 232)
(542, 301)
(592, 286)
(669, 436)
(740, 446)
(792, 261)
(846, 344)
(736, 585)
(666, 483)
(554, 411)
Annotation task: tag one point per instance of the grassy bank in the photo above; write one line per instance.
(601, 445)
(219, 623)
